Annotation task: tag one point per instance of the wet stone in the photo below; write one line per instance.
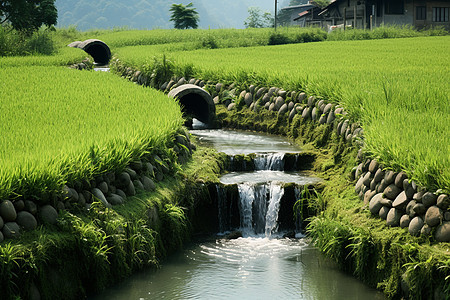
(379, 175)
(401, 201)
(19, 205)
(306, 114)
(399, 179)
(419, 209)
(434, 216)
(429, 199)
(415, 226)
(149, 185)
(283, 109)
(132, 173)
(373, 185)
(366, 164)
(418, 196)
(373, 166)
(404, 221)
(97, 193)
(409, 208)
(375, 204)
(442, 233)
(248, 99)
(389, 177)
(408, 188)
(123, 180)
(26, 220)
(115, 199)
(391, 191)
(382, 186)
(7, 211)
(138, 185)
(443, 201)
(11, 230)
(48, 214)
(368, 195)
(386, 202)
(393, 217)
(426, 230)
(103, 186)
(327, 108)
(330, 117)
(447, 216)
(359, 184)
(301, 97)
(367, 179)
(383, 213)
(60, 205)
(131, 190)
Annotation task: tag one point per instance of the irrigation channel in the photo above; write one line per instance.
(262, 263)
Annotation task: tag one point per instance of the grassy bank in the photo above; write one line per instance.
(397, 96)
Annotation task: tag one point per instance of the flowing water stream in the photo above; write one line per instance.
(260, 264)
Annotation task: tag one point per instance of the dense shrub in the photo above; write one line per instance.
(16, 43)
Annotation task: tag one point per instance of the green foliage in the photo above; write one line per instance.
(28, 15)
(258, 19)
(174, 226)
(13, 42)
(384, 32)
(184, 17)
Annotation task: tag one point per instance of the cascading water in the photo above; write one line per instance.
(276, 192)
(259, 207)
(269, 161)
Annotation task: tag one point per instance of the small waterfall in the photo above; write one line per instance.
(259, 207)
(246, 197)
(269, 161)
(276, 192)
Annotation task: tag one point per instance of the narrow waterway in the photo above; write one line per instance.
(260, 263)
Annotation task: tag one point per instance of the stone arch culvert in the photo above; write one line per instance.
(196, 103)
(98, 49)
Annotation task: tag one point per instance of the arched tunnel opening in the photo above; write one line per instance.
(195, 103)
(192, 107)
(99, 51)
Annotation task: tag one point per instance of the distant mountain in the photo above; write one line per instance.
(149, 14)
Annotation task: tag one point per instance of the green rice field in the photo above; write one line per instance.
(398, 89)
(51, 117)
(60, 124)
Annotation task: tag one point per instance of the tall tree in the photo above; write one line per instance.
(184, 17)
(258, 19)
(28, 15)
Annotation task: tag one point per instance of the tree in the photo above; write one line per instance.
(184, 17)
(28, 15)
(257, 19)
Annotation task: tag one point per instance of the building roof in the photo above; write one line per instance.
(304, 6)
